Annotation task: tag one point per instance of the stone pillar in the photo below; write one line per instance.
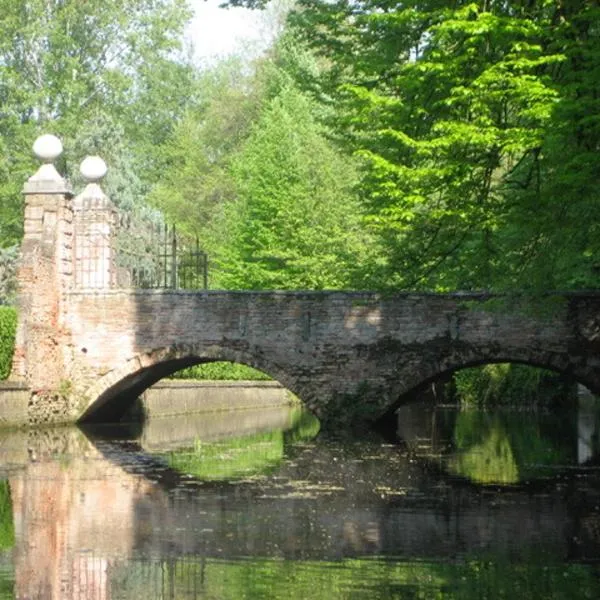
(95, 221)
(45, 275)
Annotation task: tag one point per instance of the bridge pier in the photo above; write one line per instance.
(45, 275)
(50, 262)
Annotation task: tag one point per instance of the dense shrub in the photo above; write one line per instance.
(8, 326)
(8, 274)
(217, 371)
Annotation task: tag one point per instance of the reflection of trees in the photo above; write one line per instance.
(230, 459)
(237, 457)
(7, 529)
(268, 579)
(491, 461)
(305, 426)
(7, 540)
(508, 447)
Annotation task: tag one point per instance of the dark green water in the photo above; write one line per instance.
(460, 505)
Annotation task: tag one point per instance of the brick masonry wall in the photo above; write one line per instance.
(45, 274)
(323, 346)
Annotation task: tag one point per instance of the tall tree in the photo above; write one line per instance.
(251, 171)
(294, 220)
(194, 176)
(461, 113)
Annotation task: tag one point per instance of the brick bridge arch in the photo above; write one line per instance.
(332, 349)
(113, 393)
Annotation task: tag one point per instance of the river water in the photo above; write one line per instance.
(260, 505)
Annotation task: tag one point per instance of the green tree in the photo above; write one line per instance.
(68, 66)
(194, 165)
(250, 169)
(477, 126)
(294, 220)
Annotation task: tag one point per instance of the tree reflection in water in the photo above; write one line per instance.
(508, 447)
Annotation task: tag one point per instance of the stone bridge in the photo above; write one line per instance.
(86, 351)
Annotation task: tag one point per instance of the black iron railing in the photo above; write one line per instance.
(159, 257)
(122, 250)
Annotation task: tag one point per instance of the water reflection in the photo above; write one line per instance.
(282, 515)
(72, 509)
(503, 446)
(243, 456)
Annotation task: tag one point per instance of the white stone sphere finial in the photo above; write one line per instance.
(47, 148)
(93, 169)
(47, 179)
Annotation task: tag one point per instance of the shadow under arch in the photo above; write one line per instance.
(113, 394)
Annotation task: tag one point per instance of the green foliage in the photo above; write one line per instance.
(7, 528)
(217, 371)
(477, 127)
(8, 326)
(8, 274)
(250, 169)
(438, 145)
(293, 223)
(510, 384)
(195, 178)
(107, 76)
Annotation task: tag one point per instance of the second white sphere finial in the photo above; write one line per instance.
(47, 148)
(93, 169)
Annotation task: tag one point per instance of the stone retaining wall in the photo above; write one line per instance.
(181, 397)
(14, 399)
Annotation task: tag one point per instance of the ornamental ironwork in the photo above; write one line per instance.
(133, 250)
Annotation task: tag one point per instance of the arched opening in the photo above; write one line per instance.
(184, 381)
(512, 384)
(501, 380)
(211, 420)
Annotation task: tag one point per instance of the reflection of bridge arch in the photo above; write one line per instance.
(113, 393)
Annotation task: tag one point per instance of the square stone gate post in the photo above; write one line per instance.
(45, 274)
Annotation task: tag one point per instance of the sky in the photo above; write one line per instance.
(217, 32)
